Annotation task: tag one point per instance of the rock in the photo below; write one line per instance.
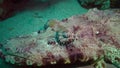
(100, 4)
(115, 3)
(8, 7)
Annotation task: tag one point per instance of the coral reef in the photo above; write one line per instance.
(115, 3)
(100, 4)
(92, 39)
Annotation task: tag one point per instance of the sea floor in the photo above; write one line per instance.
(34, 15)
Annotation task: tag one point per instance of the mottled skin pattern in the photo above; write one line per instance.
(90, 39)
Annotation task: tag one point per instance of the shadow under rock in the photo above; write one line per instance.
(41, 5)
(12, 7)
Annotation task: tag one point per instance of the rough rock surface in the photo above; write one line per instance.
(90, 39)
(100, 4)
(8, 7)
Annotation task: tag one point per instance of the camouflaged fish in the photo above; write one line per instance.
(92, 38)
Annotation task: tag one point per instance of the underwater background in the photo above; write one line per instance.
(32, 17)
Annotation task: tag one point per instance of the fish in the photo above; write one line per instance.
(96, 43)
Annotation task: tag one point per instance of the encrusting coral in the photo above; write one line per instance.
(92, 38)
